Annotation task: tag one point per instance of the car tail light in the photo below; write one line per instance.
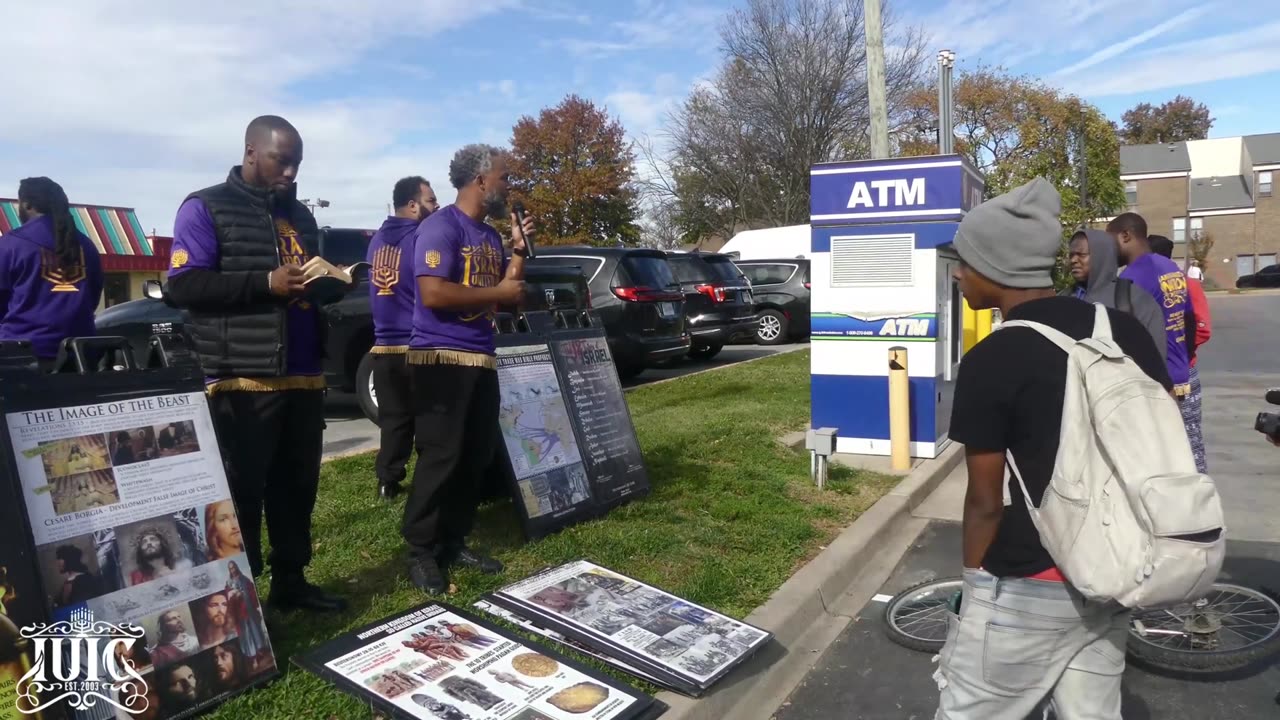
(645, 294)
(715, 292)
(806, 286)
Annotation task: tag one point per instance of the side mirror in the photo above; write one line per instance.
(153, 289)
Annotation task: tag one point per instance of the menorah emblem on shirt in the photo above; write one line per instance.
(62, 279)
(386, 269)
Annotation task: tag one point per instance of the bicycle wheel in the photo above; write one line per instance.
(1229, 629)
(916, 618)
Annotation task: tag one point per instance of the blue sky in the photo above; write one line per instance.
(141, 103)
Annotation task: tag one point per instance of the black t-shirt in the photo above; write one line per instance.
(1009, 396)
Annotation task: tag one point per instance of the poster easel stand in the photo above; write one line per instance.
(115, 513)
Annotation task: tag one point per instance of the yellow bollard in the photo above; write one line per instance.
(899, 410)
(984, 325)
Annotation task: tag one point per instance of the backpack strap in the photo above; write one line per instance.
(1054, 335)
(1032, 510)
(1101, 323)
(1124, 295)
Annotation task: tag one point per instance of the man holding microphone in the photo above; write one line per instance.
(462, 274)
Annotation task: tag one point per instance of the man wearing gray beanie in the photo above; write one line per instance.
(1008, 400)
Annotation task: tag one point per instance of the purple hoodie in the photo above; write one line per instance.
(36, 303)
(391, 282)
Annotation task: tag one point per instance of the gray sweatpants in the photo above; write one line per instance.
(1020, 646)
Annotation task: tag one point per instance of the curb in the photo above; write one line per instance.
(806, 600)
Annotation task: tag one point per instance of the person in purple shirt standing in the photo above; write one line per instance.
(235, 269)
(462, 274)
(391, 294)
(1164, 281)
(50, 273)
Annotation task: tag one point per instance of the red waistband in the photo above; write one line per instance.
(1052, 575)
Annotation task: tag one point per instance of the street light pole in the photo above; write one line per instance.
(876, 95)
(946, 100)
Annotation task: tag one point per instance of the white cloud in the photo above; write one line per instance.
(139, 102)
(1243, 53)
(1119, 48)
(656, 25)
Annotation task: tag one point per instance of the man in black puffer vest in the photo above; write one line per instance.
(235, 269)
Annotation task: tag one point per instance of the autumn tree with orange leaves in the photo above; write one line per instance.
(574, 170)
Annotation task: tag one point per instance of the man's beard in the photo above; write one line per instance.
(495, 206)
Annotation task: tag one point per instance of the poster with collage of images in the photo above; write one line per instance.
(436, 662)
(682, 645)
(131, 518)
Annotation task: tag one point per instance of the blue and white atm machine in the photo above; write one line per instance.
(881, 267)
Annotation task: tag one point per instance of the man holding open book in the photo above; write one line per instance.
(239, 249)
(462, 275)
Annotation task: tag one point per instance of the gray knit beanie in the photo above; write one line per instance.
(1013, 239)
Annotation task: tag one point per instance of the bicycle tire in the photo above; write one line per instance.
(1211, 662)
(935, 590)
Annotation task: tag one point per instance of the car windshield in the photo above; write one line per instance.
(649, 271)
(723, 270)
(689, 269)
(344, 247)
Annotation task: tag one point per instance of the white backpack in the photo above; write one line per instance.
(1126, 516)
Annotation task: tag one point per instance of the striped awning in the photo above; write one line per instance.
(116, 233)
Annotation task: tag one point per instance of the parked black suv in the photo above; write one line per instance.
(1267, 277)
(350, 319)
(781, 290)
(718, 307)
(638, 298)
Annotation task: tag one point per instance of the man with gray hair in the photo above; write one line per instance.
(1024, 638)
(462, 274)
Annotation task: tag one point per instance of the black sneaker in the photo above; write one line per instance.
(466, 557)
(293, 592)
(426, 575)
(389, 491)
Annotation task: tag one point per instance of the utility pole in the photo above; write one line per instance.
(876, 96)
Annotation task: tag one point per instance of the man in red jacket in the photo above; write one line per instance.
(1202, 325)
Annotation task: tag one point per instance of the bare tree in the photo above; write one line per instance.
(792, 92)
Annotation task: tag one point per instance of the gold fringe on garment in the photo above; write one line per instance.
(1182, 390)
(388, 349)
(297, 382)
(452, 357)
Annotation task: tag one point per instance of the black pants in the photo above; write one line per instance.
(271, 444)
(457, 437)
(395, 416)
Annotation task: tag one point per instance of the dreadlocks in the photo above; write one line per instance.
(48, 198)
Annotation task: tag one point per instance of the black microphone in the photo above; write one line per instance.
(518, 208)
(1273, 396)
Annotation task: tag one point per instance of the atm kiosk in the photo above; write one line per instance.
(881, 266)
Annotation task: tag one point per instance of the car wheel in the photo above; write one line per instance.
(366, 395)
(771, 327)
(628, 370)
(705, 352)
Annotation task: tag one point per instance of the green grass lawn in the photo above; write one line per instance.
(731, 516)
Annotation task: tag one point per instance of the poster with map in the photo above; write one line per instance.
(552, 488)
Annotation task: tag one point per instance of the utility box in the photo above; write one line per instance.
(881, 268)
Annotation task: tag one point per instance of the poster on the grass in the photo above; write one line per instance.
(636, 623)
(551, 481)
(436, 662)
(133, 534)
(610, 448)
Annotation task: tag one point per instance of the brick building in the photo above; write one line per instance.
(1221, 186)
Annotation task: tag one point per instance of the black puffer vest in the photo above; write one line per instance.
(248, 341)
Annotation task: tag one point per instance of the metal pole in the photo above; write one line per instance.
(876, 96)
(946, 103)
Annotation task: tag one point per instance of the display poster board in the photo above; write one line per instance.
(610, 448)
(552, 489)
(684, 645)
(437, 662)
(127, 521)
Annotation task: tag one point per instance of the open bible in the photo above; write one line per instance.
(325, 278)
